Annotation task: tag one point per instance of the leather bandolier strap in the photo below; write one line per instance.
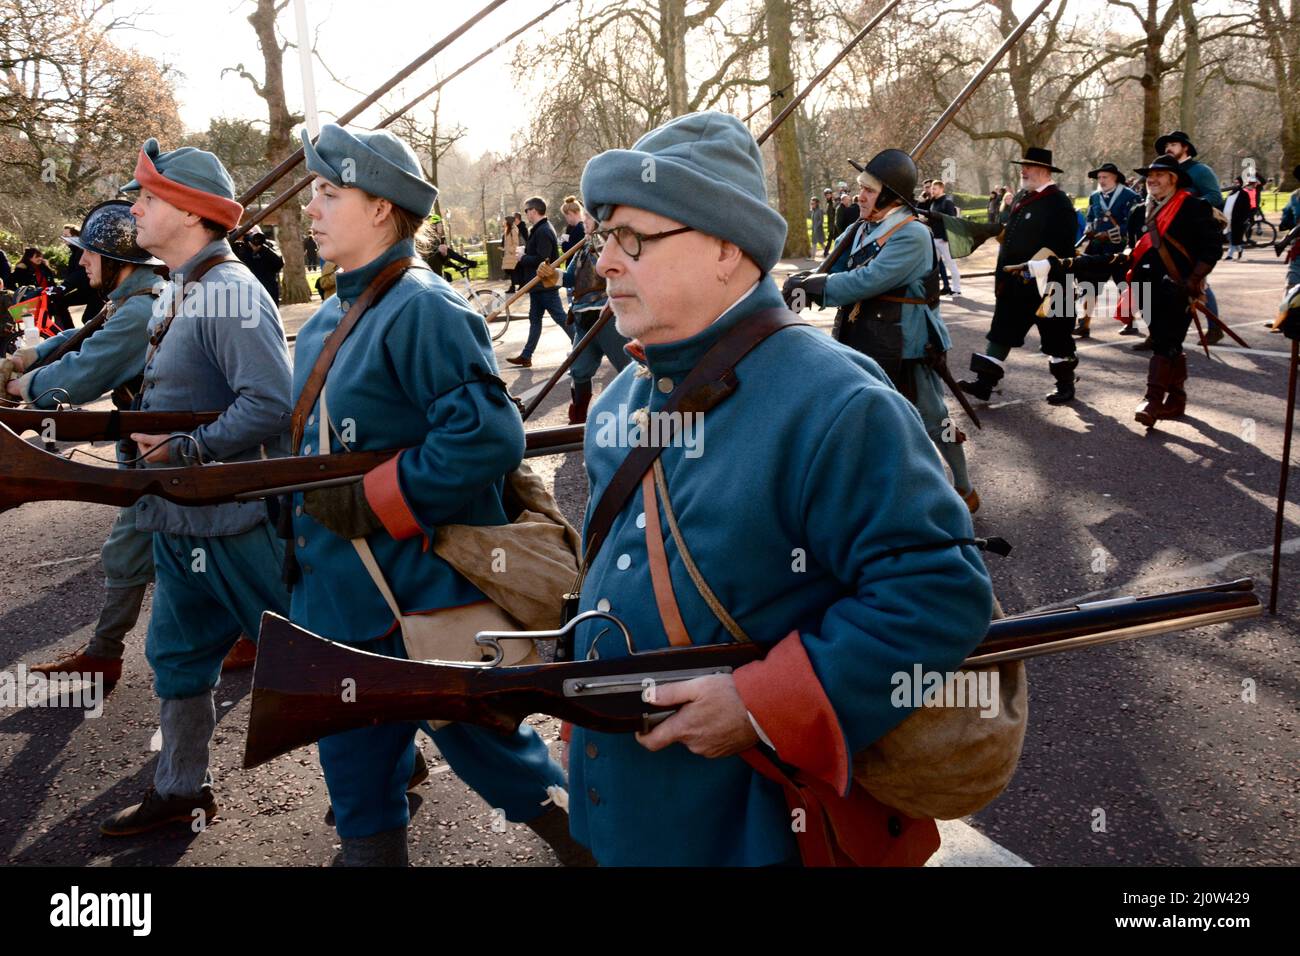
(709, 383)
(380, 284)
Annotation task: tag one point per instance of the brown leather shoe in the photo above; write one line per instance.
(157, 811)
(79, 662)
(522, 361)
(241, 657)
(972, 499)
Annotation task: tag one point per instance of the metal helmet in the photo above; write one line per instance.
(109, 230)
(895, 170)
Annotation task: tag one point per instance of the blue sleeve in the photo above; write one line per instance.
(475, 433)
(571, 271)
(1207, 185)
(903, 259)
(46, 346)
(876, 484)
(1291, 213)
(252, 354)
(112, 356)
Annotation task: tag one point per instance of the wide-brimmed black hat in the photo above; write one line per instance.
(1166, 163)
(1106, 168)
(1037, 156)
(1177, 136)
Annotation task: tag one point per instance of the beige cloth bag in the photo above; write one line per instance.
(948, 762)
(447, 634)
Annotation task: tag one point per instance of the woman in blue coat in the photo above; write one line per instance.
(416, 373)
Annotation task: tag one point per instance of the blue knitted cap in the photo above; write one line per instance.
(377, 162)
(703, 170)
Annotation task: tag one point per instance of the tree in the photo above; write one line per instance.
(239, 143)
(1281, 28)
(74, 109)
(280, 134)
(791, 198)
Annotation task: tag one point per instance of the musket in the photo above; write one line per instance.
(387, 121)
(607, 315)
(926, 141)
(293, 159)
(299, 676)
(29, 474)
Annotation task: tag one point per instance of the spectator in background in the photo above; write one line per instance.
(33, 271)
(511, 240)
(542, 246)
(6, 272)
(263, 260)
(1007, 198)
(575, 231)
(311, 254)
(1237, 207)
(818, 225)
(846, 213)
(829, 204)
(995, 203)
(941, 202)
(442, 256)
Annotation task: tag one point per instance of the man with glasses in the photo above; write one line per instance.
(542, 246)
(809, 514)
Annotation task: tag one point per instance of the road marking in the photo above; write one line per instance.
(963, 845)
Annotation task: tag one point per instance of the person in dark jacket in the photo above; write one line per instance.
(941, 202)
(542, 246)
(1041, 217)
(1237, 207)
(1166, 287)
(846, 213)
(263, 260)
(35, 272)
(829, 205)
(6, 272)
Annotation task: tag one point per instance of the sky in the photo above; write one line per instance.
(363, 42)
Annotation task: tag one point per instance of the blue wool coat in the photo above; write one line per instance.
(805, 477)
(904, 262)
(111, 357)
(417, 373)
(1098, 221)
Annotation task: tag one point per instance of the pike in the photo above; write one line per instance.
(29, 474)
(607, 314)
(291, 161)
(387, 121)
(923, 145)
(299, 677)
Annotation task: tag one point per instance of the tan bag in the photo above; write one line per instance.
(526, 566)
(948, 762)
(446, 634)
(940, 762)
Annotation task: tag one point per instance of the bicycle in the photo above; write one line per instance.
(485, 302)
(1259, 231)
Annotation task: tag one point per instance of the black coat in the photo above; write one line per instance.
(542, 244)
(845, 216)
(265, 263)
(6, 273)
(945, 205)
(1048, 220)
(41, 277)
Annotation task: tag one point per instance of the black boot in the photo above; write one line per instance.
(1083, 328)
(1063, 372)
(1144, 345)
(988, 372)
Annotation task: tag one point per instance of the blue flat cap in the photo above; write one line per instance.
(703, 170)
(377, 162)
(190, 179)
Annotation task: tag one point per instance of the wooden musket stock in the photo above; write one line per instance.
(299, 678)
(29, 474)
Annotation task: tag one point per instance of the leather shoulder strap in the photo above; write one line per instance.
(380, 284)
(708, 384)
(195, 275)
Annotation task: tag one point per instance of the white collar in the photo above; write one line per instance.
(747, 293)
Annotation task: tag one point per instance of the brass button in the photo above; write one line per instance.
(311, 420)
(298, 511)
(306, 449)
(665, 385)
(593, 795)
(592, 751)
(302, 542)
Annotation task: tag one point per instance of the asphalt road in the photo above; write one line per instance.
(1144, 752)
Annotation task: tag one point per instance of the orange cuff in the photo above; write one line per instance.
(384, 495)
(786, 698)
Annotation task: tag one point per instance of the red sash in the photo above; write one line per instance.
(1124, 308)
